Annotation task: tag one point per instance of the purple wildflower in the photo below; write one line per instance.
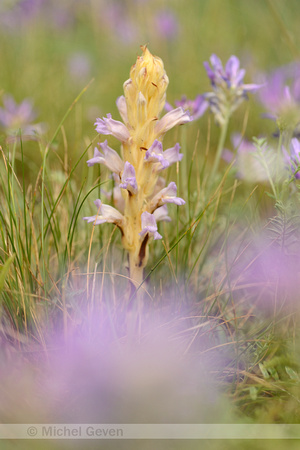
(196, 107)
(107, 125)
(292, 159)
(166, 24)
(15, 117)
(280, 95)
(166, 195)
(129, 179)
(106, 213)
(79, 66)
(229, 90)
(155, 154)
(110, 158)
(175, 117)
(149, 226)
(249, 165)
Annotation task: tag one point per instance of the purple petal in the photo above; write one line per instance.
(129, 179)
(149, 225)
(110, 158)
(109, 126)
(106, 213)
(175, 117)
(161, 214)
(166, 195)
(155, 154)
(172, 154)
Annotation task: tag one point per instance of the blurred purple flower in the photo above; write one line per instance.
(79, 67)
(280, 95)
(247, 160)
(95, 377)
(114, 16)
(15, 117)
(229, 90)
(292, 158)
(196, 107)
(166, 24)
(268, 269)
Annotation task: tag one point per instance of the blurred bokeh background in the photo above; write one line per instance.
(51, 49)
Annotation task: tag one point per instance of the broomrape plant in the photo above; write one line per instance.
(140, 192)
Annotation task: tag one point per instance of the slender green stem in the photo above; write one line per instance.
(220, 147)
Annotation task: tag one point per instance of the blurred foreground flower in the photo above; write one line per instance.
(92, 378)
(137, 172)
(229, 90)
(19, 117)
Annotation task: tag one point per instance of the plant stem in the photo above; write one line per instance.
(220, 147)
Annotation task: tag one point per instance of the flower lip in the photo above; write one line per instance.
(149, 226)
(107, 125)
(128, 180)
(109, 158)
(175, 117)
(166, 195)
(106, 213)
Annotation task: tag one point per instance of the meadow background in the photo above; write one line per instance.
(217, 338)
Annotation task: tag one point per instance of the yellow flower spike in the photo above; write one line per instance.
(139, 188)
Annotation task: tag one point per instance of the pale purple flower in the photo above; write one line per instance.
(161, 214)
(229, 89)
(15, 117)
(149, 226)
(292, 159)
(196, 107)
(79, 66)
(109, 158)
(128, 180)
(249, 165)
(175, 117)
(114, 16)
(166, 24)
(231, 77)
(267, 269)
(155, 154)
(107, 125)
(280, 95)
(166, 195)
(106, 213)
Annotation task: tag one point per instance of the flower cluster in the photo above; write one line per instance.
(140, 192)
(229, 89)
